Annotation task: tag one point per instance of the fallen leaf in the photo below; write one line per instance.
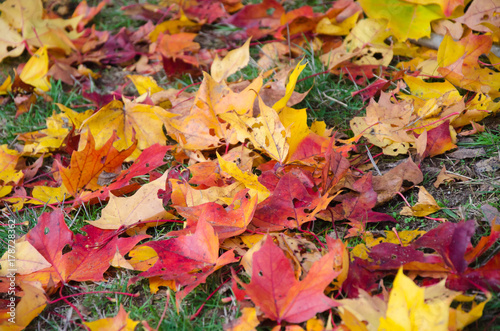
(227, 222)
(130, 121)
(144, 205)
(250, 181)
(276, 291)
(35, 71)
(445, 177)
(235, 60)
(411, 307)
(411, 20)
(247, 321)
(86, 165)
(426, 205)
(32, 303)
(120, 322)
(27, 260)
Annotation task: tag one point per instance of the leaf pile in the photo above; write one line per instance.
(247, 175)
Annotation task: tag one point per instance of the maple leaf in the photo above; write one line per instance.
(28, 259)
(90, 254)
(234, 60)
(440, 139)
(35, 71)
(414, 308)
(247, 321)
(256, 20)
(399, 179)
(480, 15)
(276, 291)
(200, 126)
(250, 181)
(293, 202)
(426, 205)
(53, 137)
(33, 302)
(49, 237)
(384, 124)
(410, 20)
(86, 165)
(8, 173)
(266, 132)
(458, 64)
(27, 16)
(356, 207)
(144, 205)
(120, 322)
(131, 121)
(445, 177)
(227, 222)
(179, 257)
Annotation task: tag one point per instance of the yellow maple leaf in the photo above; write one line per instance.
(27, 16)
(28, 259)
(144, 205)
(8, 172)
(250, 181)
(121, 322)
(290, 87)
(144, 84)
(266, 132)
(426, 205)
(246, 322)
(35, 70)
(32, 303)
(414, 308)
(234, 60)
(131, 121)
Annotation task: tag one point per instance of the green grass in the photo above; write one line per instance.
(34, 119)
(329, 98)
(112, 18)
(489, 140)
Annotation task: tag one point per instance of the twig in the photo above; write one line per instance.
(373, 161)
(335, 100)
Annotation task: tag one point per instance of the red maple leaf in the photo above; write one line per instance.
(276, 291)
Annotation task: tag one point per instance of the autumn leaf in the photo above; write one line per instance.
(86, 165)
(131, 121)
(227, 222)
(292, 203)
(179, 257)
(90, 254)
(32, 303)
(410, 20)
(144, 205)
(234, 60)
(250, 181)
(35, 71)
(276, 291)
(120, 322)
(28, 259)
(426, 205)
(266, 132)
(414, 308)
(247, 321)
